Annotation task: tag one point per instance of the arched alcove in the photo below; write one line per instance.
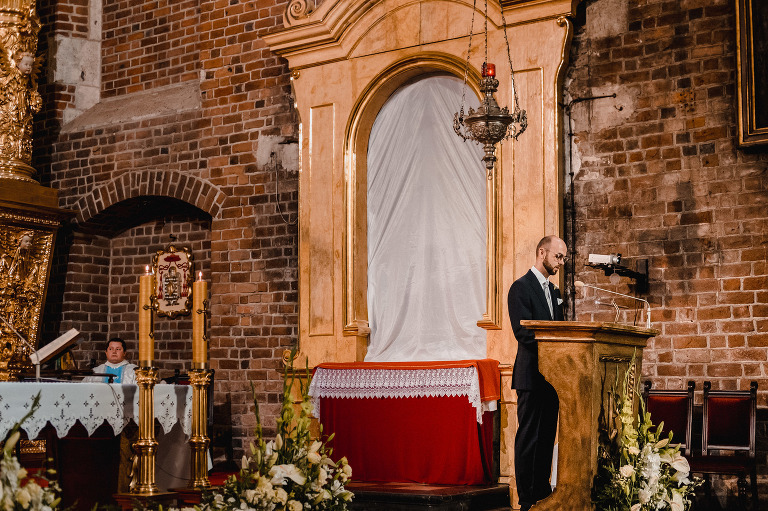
(97, 273)
(185, 188)
(361, 121)
(426, 227)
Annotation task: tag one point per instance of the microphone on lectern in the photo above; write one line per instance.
(579, 284)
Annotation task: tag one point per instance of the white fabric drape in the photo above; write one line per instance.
(426, 228)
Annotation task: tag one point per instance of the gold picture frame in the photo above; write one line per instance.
(752, 71)
(174, 270)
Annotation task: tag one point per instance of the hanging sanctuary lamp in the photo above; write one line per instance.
(489, 124)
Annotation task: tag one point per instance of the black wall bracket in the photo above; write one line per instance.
(639, 274)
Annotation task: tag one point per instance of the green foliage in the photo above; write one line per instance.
(18, 492)
(638, 468)
(293, 472)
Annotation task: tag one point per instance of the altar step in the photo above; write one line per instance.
(420, 497)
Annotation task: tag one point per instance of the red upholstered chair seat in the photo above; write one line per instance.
(675, 409)
(729, 421)
(715, 464)
(728, 437)
(672, 410)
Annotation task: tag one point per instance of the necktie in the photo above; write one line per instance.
(549, 298)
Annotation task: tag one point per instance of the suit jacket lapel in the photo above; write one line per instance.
(538, 290)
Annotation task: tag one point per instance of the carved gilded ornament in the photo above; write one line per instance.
(19, 98)
(24, 260)
(173, 269)
(298, 10)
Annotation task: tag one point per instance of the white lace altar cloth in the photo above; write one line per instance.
(395, 383)
(64, 403)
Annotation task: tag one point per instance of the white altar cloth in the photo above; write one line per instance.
(64, 403)
(478, 380)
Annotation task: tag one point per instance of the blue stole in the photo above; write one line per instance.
(117, 371)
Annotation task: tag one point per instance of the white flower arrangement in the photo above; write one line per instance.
(18, 491)
(638, 470)
(293, 472)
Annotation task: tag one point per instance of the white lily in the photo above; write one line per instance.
(676, 504)
(11, 442)
(627, 471)
(681, 464)
(280, 472)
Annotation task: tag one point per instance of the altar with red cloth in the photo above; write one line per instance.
(423, 422)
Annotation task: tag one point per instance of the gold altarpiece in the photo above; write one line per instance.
(29, 213)
(346, 58)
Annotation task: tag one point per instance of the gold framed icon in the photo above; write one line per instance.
(174, 269)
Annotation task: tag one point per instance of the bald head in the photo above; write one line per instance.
(551, 254)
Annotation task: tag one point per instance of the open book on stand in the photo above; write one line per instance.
(55, 347)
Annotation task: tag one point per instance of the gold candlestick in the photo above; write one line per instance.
(146, 319)
(146, 377)
(146, 445)
(200, 379)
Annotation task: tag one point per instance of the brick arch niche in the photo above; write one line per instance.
(342, 54)
(182, 187)
(105, 254)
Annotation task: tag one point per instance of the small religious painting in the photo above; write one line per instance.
(752, 67)
(173, 281)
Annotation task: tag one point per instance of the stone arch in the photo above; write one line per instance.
(190, 189)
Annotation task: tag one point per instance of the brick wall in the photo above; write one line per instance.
(79, 299)
(657, 175)
(70, 16)
(128, 255)
(124, 180)
(148, 44)
(56, 18)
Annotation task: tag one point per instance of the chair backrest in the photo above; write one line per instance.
(675, 409)
(729, 420)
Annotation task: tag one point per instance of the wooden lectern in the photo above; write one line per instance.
(581, 360)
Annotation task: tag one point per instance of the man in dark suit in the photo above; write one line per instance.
(532, 296)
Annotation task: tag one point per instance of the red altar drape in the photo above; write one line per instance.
(424, 439)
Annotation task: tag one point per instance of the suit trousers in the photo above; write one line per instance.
(537, 411)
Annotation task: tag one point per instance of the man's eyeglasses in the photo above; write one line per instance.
(560, 257)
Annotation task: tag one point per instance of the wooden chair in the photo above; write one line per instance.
(728, 438)
(675, 409)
